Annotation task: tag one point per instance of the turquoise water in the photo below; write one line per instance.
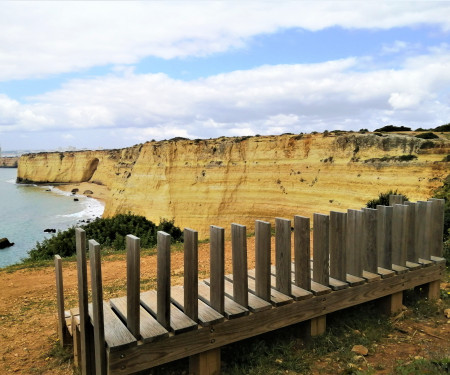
(26, 210)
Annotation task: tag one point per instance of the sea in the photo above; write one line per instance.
(27, 210)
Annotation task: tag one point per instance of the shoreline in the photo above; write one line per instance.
(98, 192)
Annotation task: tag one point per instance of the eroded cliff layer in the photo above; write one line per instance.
(219, 181)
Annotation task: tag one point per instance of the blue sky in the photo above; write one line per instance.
(113, 74)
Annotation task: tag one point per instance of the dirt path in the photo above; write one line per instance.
(28, 314)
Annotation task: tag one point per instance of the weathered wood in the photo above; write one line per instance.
(399, 269)
(338, 244)
(190, 343)
(395, 199)
(206, 363)
(62, 335)
(354, 233)
(262, 259)
(391, 304)
(191, 274)
(411, 255)
(150, 330)
(384, 236)
(433, 290)
(97, 308)
(319, 289)
(420, 229)
(371, 277)
(384, 273)
(412, 265)
(76, 340)
(217, 259)
(318, 325)
(163, 279)
(337, 284)
(369, 246)
(239, 254)
(85, 339)
(437, 227)
(283, 255)
(399, 235)
(426, 251)
(231, 309)
(355, 280)
(302, 252)
(179, 322)
(133, 246)
(206, 315)
(321, 269)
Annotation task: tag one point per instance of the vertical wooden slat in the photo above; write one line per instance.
(262, 259)
(283, 255)
(384, 236)
(437, 244)
(321, 252)
(302, 252)
(399, 235)
(133, 284)
(239, 254)
(428, 231)
(395, 199)
(420, 229)
(85, 339)
(60, 300)
(338, 243)
(217, 277)
(410, 232)
(369, 241)
(191, 274)
(163, 279)
(354, 236)
(97, 308)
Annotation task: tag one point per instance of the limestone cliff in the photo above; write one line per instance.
(9, 162)
(219, 181)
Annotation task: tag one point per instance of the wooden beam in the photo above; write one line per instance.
(217, 275)
(163, 280)
(239, 254)
(133, 246)
(302, 252)
(262, 260)
(283, 255)
(191, 274)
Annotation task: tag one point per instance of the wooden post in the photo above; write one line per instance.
(191, 274)
(262, 260)
(338, 243)
(283, 255)
(239, 253)
(302, 252)
(163, 280)
(391, 304)
(321, 251)
(369, 242)
(432, 290)
(97, 308)
(206, 363)
(384, 236)
(62, 330)
(217, 277)
(133, 284)
(85, 339)
(354, 234)
(411, 255)
(437, 227)
(395, 199)
(420, 229)
(399, 238)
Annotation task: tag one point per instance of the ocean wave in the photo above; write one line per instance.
(12, 181)
(92, 208)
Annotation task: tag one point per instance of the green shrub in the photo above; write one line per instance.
(393, 128)
(383, 199)
(443, 128)
(108, 232)
(428, 135)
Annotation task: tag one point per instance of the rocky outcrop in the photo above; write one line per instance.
(9, 162)
(219, 181)
(4, 243)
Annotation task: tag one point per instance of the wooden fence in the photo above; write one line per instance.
(358, 256)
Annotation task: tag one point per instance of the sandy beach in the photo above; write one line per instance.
(99, 192)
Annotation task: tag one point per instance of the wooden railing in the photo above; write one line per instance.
(358, 256)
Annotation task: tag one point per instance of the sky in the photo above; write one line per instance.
(103, 74)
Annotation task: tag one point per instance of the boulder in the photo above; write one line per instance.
(75, 199)
(50, 230)
(86, 192)
(75, 190)
(4, 243)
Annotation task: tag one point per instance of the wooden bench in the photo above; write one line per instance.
(359, 256)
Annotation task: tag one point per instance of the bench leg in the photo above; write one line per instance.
(392, 303)
(310, 328)
(206, 363)
(433, 290)
(318, 325)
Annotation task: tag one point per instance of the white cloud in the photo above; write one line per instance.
(39, 39)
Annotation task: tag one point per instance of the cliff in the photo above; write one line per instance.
(9, 162)
(218, 181)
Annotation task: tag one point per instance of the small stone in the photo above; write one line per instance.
(360, 349)
(447, 313)
(279, 361)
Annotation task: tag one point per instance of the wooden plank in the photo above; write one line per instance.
(437, 227)
(117, 335)
(399, 235)
(217, 259)
(163, 280)
(283, 255)
(302, 252)
(231, 309)
(262, 259)
(399, 269)
(190, 290)
(316, 288)
(133, 246)
(391, 304)
(85, 339)
(384, 236)
(369, 241)
(355, 280)
(425, 262)
(255, 304)
(412, 265)
(371, 277)
(438, 260)
(338, 251)
(150, 330)
(297, 293)
(354, 222)
(337, 284)
(179, 322)
(321, 268)
(76, 340)
(411, 255)
(420, 229)
(60, 301)
(276, 298)
(384, 273)
(206, 315)
(239, 254)
(97, 308)
(190, 343)
(426, 251)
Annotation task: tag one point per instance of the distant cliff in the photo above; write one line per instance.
(219, 181)
(9, 162)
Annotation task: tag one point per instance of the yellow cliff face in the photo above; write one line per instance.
(199, 183)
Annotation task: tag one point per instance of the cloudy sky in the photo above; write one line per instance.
(113, 74)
